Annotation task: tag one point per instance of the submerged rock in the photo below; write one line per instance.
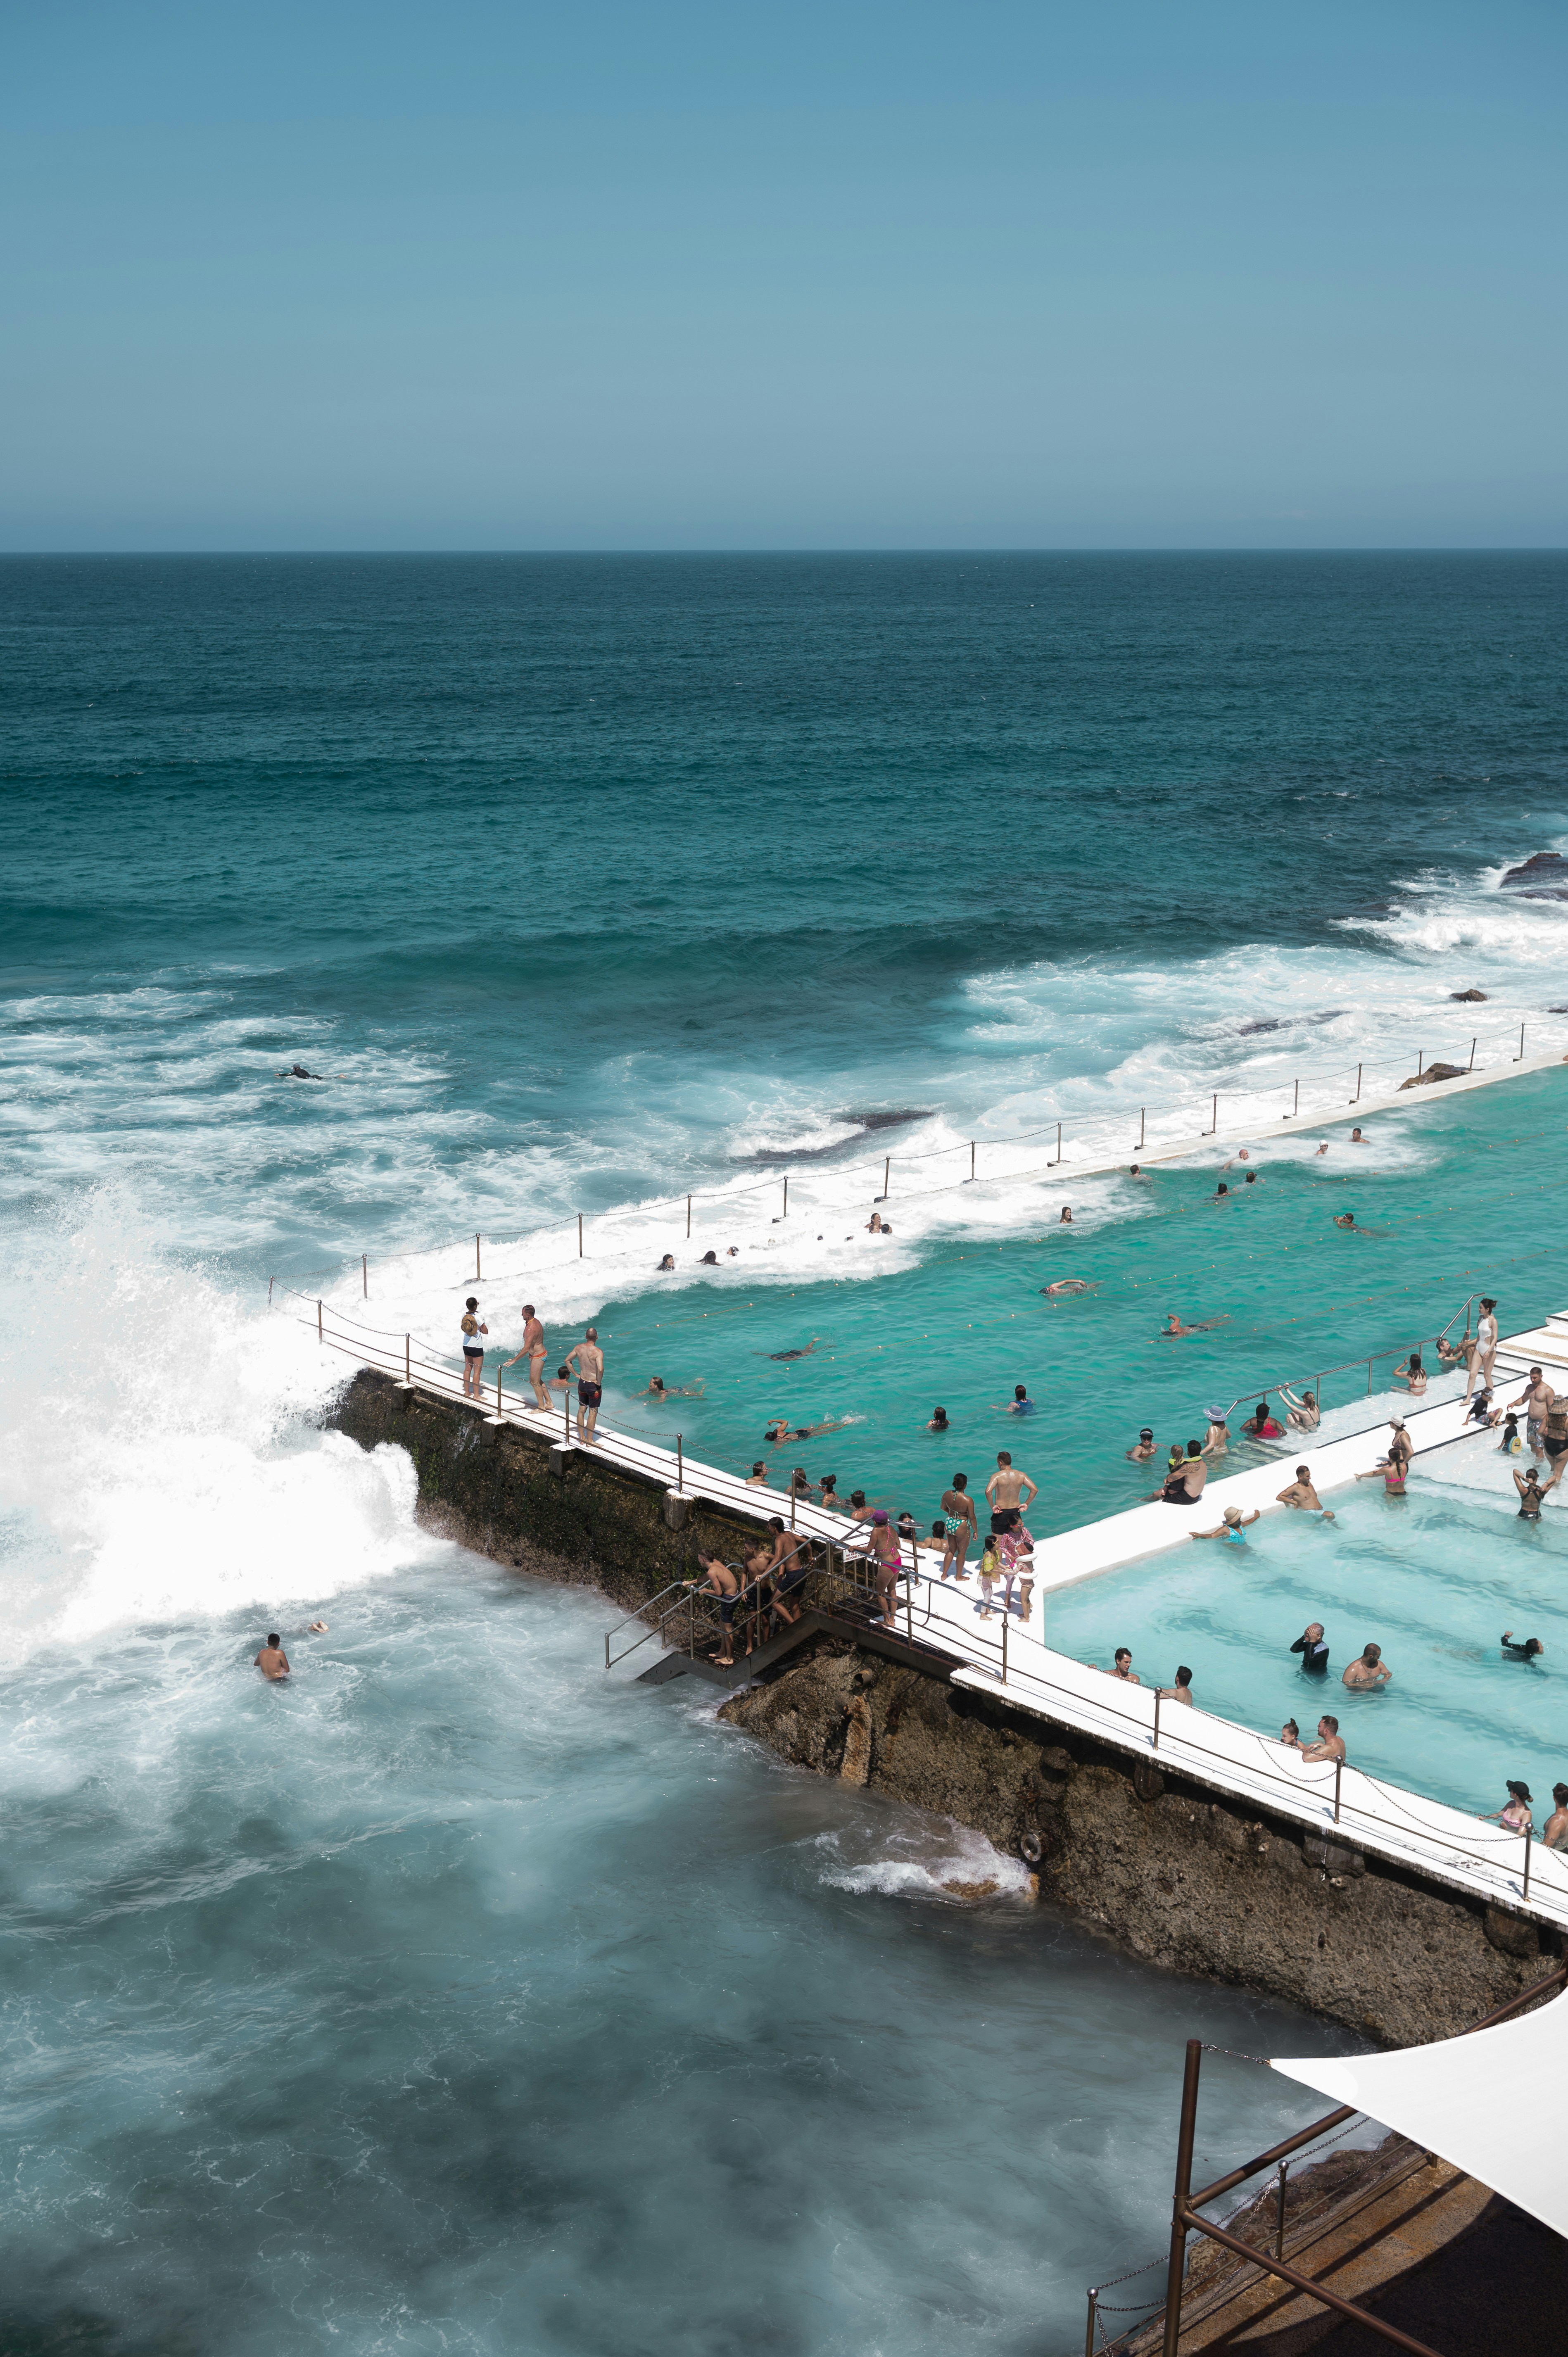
(1543, 876)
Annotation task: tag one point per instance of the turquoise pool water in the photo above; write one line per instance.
(1434, 1578)
(1458, 1197)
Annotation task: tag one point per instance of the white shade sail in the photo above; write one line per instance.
(1491, 2102)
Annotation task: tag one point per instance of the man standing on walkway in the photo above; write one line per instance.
(590, 1365)
(533, 1352)
(1009, 1492)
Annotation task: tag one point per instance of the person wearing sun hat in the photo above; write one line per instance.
(1217, 1440)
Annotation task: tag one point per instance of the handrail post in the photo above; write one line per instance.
(688, 1218)
(365, 1272)
(1156, 1718)
(476, 1260)
(1059, 1143)
(1004, 1644)
(1280, 2213)
(786, 1210)
(1529, 1837)
(680, 1464)
(886, 1175)
(1520, 1057)
(319, 1332)
(579, 1235)
(971, 1157)
(407, 1355)
(1143, 1116)
(1089, 2336)
(1471, 1065)
(1338, 1764)
(1177, 2266)
(1357, 1098)
(1215, 1115)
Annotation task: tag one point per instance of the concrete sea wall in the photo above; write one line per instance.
(1181, 1875)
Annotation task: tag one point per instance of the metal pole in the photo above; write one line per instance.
(1529, 1837)
(1142, 1116)
(1471, 1065)
(1357, 1098)
(1005, 1645)
(318, 1333)
(579, 1235)
(886, 1173)
(688, 1216)
(407, 1371)
(1369, 1379)
(1280, 2213)
(476, 1260)
(1520, 1057)
(791, 1501)
(971, 1157)
(497, 1391)
(1156, 1718)
(1338, 1764)
(1420, 1061)
(1296, 1107)
(365, 1272)
(271, 1282)
(680, 1463)
(785, 1198)
(910, 1595)
(1089, 2336)
(566, 1416)
(1216, 1110)
(1183, 2187)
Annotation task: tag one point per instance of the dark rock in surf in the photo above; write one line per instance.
(1543, 876)
(1433, 1072)
(1478, 996)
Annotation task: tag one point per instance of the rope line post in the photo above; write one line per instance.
(579, 1235)
(971, 1157)
(365, 1272)
(476, 1260)
(1420, 1061)
(1357, 1098)
(1177, 2265)
(1214, 1116)
(688, 1218)
(1338, 1764)
(886, 1175)
(680, 1464)
(1296, 1106)
(567, 1417)
(1004, 1644)
(1089, 2336)
(407, 1369)
(1520, 1057)
(1156, 1718)
(271, 1282)
(1471, 1065)
(319, 1332)
(1280, 2212)
(497, 1391)
(1528, 1837)
(785, 1214)
(1143, 1116)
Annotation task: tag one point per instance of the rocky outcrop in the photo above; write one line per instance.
(1543, 876)
(1433, 1072)
(1478, 996)
(1181, 1878)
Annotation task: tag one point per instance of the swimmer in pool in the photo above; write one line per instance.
(1231, 1528)
(1520, 1648)
(1143, 1449)
(804, 1352)
(1173, 1325)
(658, 1389)
(1066, 1284)
(1301, 1495)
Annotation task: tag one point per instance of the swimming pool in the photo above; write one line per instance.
(1433, 1578)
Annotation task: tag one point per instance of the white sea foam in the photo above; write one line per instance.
(940, 1861)
(159, 1459)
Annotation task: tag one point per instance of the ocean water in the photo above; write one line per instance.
(454, 1998)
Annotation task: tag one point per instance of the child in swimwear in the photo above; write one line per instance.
(988, 1570)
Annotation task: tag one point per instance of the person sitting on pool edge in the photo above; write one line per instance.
(1183, 1483)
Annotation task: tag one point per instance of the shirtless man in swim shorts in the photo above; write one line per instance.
(1005, 1489)
(533, 1352)
(590, 1365)
(720, 1581)
(1535, 1399)
(1301, 1495)
(272, 1660)
(960, 1525)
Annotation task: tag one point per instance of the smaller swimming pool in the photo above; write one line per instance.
(1433, 1578)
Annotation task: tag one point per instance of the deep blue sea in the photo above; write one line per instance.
(452, 2000)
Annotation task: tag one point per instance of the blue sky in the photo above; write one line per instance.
(609, 275)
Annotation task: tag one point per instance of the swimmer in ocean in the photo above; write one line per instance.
(1173, 1325)
(1064, 1284)
(803, 1353)
(658, 1389)
(272, 1660)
